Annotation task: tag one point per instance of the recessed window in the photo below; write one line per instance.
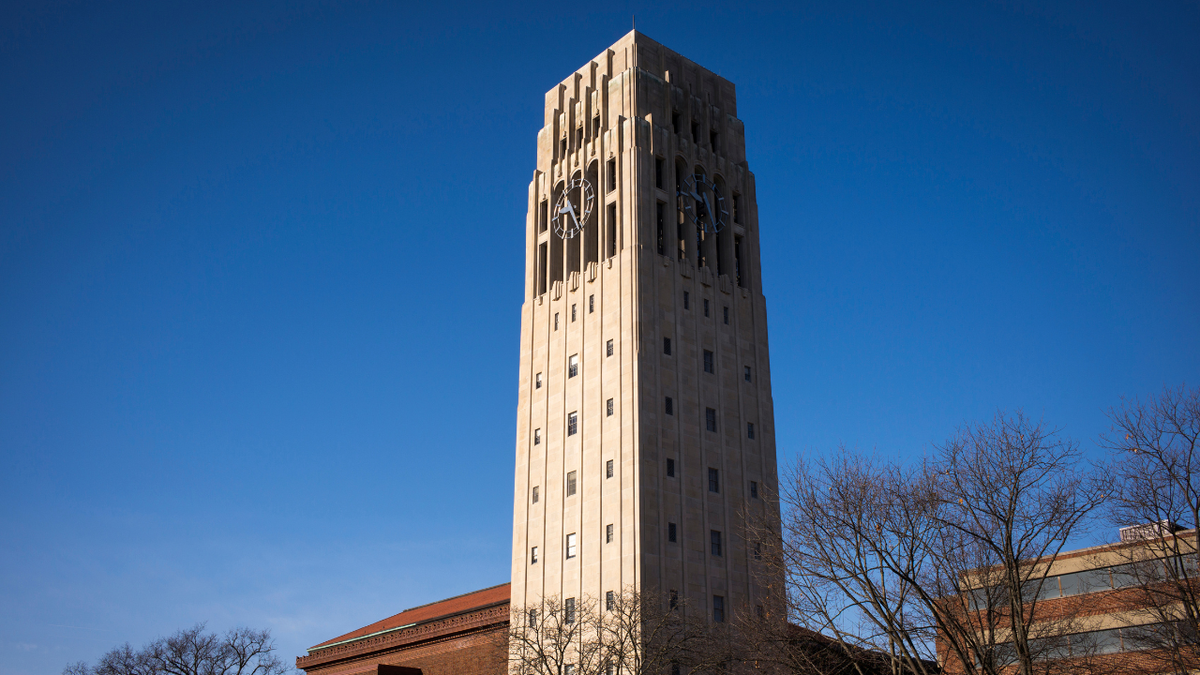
(592, 307)
(612, 174)
(675, 121)
(610, 601)
(718, 609)
(542, 211)
(754, 489)
(608, 533)
(658, 172)
(726, 310)
(608, 469)
(667, 346)
(562, 145)
(669, 406)
(608, 408)
(534, 494)
(571, 545)
(674, 598)
(572, 313)
(708, 361)
(660, 227)
(750, 430)
(612, 229)
(537, 436)
(706, 308)
(758, 609)
(747, 373)
(533, 556)
(572, 484)
(556, 321)
(572, 366)
(537, 381)
(609, 348)
(671, 532)
(595, 126)
(579, 136)
(710, 419)
(569, 609)
(573, 424)
(737, 208)
(686, 300)
(714, 540)
(713, 137)
(758, 550)
(695, 132)
(714, 480)
(670, 468)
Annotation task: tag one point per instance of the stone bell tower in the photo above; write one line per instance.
(645, 430)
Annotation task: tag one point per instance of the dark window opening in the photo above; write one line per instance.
(609, 413)
(714, 479)
(675, 121)
(610, 601)
(726, 316)
(747, 373)
(543, 210)
(737, 208)
(671, 532)
(608, 466)
(541, 273)
(738, 269)
(710, 419)
(695, 132)
(706, 308)
(667, 346)
(572, 313)
(658, 172)
(609, 347)
(712, 141)
(670, 469)
(592, 307)
(758, 550)
(596, 126)
(660, 223)
(674, 604)
(750, 430)
(569, 606)
(579, 137)
(714, 538)
(537, 436)
(612, 175)
(535, 494)
(708, 361)
(556, 321)
(754, 489)
(718, 609)
(686, 300)
(612, 230)
(669, 406)
(608, 537)
(563, 146)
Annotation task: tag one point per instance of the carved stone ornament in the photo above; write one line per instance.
(556, 290)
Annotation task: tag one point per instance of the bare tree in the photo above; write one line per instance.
(1157, 465)
(885, 565)
(240, 651)
(559, 636)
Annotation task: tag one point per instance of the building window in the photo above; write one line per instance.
(660, 227)
(706, 308)
(718, 609)
(750, 430)
(533, 556)
(533, 618)
(571, 545)
(610, 601)
(609, 348)
(669, 406)
(754, 489)
(695, 132)
(592, 307)
(710, 419)
(758, 550)
(608, 533)
(748, 373)
(542, 211)
(667, 346)
(569, 609)
(675, 121)
(573, 424)
(726, 309)
(579, 136)
(569, 668)
(671, 532)
(572, 366)
(556, 321)
(674, 598)
(595, 126)
(608, 469)
(712, 141)
(686, 300)
(714, 480)
(562, 145)
(537, 381)
(758, 609)
(571, 483)
(612, 174)
(572, 313)
(609, 411)
(708, 361)
(535, 494)
(670, 468)
(714, 539)
(537, 436)
(737, 208)
(612, 230)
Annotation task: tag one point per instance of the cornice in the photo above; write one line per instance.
(429, 630)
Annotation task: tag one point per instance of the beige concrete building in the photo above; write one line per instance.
(645, 430)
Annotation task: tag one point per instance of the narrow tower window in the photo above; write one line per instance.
(710, 419)
(592, 307)
(569, 606)
(571, 545)
(718, 609)
(658, 172)
(667, 346)
(747, 373)
(715, 541)
(708, 361)
(671, 532)
(572, 313)
(608, 469)
(533, 556)
(609, 409)
(572, 484)
(609, 348)
(608, 533)
(754, 489)
(612, 174)
(537, 436)
(726, 316)
(572, 366)
(610, 601)
(612, 230)
(537, 381)
(714, 480)
(706, 308)
(687, 300)
(534, 494)
(669, 406)
(670, 469)
(750, 430)
(572, 424)
(660, 224)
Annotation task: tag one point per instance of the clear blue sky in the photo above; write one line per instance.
(261, 272)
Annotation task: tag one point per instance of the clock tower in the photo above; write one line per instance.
(645, 430)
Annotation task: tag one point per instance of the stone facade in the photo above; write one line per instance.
(636, 123)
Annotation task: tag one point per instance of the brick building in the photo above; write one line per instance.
(1102, 609)
(463, 634)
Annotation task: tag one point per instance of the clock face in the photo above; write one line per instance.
(703, 203)
(573, 208)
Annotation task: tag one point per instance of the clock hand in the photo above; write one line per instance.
(708, 208)
(570, 208)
